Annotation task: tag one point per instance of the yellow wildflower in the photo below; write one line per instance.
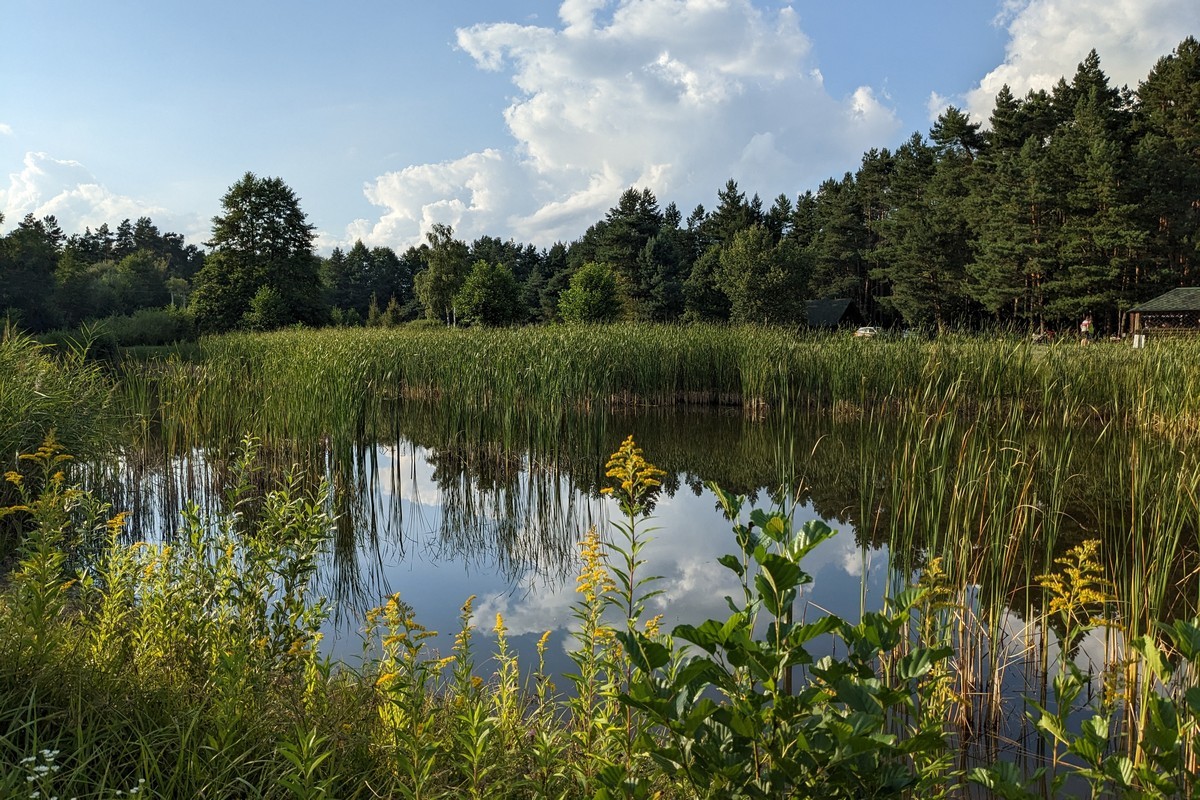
(1081, 593)
(117, 523)
(636, 477)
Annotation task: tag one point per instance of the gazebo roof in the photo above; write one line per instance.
(827, 313)
(1185, 299)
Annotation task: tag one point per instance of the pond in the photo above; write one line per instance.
(441, 522)
(439, 507)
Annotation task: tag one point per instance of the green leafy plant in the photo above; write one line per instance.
(729, 724)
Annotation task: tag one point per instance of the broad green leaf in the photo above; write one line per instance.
(917, 663)
(1186, 635)
(707, 636)
(857, 697)
(1192, 698)
(800, 634)
(733, 563)
(782, 572)
(1152, 657)
(645, 653)
(1053, 727)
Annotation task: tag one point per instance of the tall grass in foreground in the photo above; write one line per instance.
(44, 390)
(191, 670)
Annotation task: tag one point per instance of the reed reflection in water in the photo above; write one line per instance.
(513, 546)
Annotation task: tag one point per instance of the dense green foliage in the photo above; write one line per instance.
(591, 297)
(490, 295)
(49, 280)
(1081, 200)
(262, 271)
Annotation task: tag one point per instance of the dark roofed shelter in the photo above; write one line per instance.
(1176, 312)
(830, 314)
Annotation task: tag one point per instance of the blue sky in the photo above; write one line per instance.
(522, 119)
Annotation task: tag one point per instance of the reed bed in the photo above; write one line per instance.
(301, 385)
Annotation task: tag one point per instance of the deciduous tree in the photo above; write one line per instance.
(262, 239)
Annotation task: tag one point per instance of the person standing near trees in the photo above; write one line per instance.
(1086, 328)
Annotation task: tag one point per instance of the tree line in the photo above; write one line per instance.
(1081, 199)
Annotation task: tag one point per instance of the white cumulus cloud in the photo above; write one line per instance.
(672, 95)
(5, 129)
(66, 189)
(1048, 39)
(935, 105)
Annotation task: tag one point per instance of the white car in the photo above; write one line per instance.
(867, 332)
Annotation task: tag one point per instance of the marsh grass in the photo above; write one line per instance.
(993, 453)
(989, 457)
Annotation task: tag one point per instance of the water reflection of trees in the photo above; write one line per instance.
(512, 492)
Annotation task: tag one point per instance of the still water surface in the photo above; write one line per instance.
(438, 517)
(522, 565)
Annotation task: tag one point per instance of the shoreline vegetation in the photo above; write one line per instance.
(554, 370)
(192, 668)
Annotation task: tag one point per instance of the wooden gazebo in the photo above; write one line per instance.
(1174, 313)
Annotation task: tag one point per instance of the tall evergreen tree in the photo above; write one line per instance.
(1100, 243)
(1167, 162)
(28, 258)
(620, 240)
(840, 244)
(731, 215)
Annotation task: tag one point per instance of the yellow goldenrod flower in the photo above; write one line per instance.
(636, 478)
